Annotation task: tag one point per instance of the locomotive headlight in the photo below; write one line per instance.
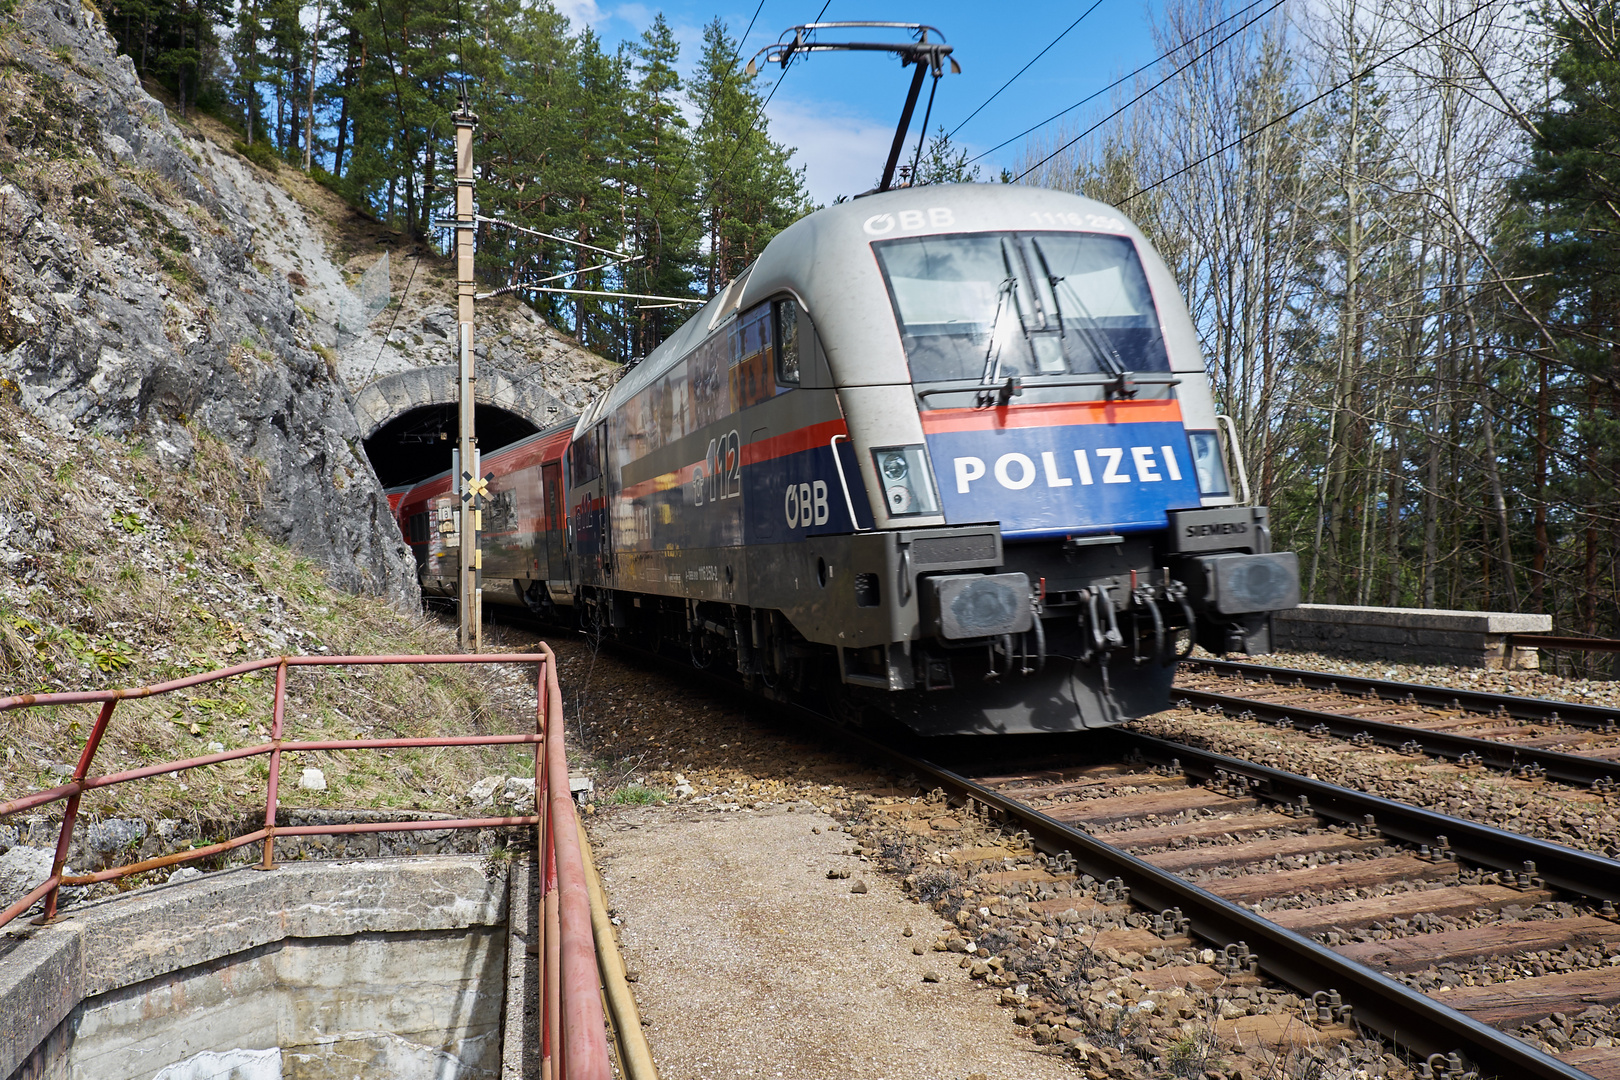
(1208, 463)
(908, 483)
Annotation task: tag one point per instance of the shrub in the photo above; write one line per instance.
(261, 154)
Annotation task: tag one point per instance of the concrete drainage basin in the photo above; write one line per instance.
(393, 968)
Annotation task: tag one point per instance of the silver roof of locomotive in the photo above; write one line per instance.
(826, 260)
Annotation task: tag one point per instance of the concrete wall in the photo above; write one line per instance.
(1410, 635)
(388, 968)
(413, 1006)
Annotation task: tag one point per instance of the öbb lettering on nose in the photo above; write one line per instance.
(1113, 465)
(806, 505)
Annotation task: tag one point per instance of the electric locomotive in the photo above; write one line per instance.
(946, 454)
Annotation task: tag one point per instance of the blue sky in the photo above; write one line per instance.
(840, 110)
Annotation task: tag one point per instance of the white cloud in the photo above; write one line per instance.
(637, 15)
(580, 13)
(844, 151)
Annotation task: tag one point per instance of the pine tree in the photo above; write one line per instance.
(585, 145)
(1570, 199)
(174, 42)
(1570, 189)
(663, 224)
(749, 192)
(248, 63)
(943, 162)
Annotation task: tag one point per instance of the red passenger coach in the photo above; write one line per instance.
(524, 524)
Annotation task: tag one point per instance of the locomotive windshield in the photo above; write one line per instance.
(989, 305)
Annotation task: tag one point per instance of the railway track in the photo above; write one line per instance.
(1350, 899)
(1446, 936)
(1385, 714)
(1297, 903)
(1483, 704)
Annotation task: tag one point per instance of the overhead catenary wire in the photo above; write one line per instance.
(548, 236)
(461, 54)
(399, 96)
(1020, 71)
(524, 286)
(1161, 58)
(686, 158)
(1274, 121)
(736, 54)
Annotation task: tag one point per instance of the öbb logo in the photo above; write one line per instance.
(806, 505)
(1016, 471)
(935, 217)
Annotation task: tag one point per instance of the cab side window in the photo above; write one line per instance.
(787, 342)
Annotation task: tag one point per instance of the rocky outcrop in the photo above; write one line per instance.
(136, 297)
(386, 311)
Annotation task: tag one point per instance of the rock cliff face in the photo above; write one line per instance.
(153, 284)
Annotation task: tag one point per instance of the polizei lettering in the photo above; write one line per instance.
(1103, 465)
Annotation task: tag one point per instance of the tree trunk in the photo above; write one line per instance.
(1538, 564)
(314, 64)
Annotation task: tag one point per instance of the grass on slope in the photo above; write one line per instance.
(115, 571)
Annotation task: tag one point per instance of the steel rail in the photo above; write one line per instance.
(1443, 697)
(1556, 764)
(1570, 644)
(1413, 1020)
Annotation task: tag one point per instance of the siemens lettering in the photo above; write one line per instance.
(1224, 528)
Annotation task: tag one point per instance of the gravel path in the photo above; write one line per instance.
(754, 963)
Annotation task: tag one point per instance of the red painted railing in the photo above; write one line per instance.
(574, 1038)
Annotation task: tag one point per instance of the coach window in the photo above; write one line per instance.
(584, 456)
(787, 342)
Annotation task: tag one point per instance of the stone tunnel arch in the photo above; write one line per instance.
(391, 397)
(507, 409)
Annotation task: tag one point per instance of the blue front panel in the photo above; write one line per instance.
(1064, 479)
(798, 494)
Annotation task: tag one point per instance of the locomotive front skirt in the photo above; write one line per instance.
(945, 455)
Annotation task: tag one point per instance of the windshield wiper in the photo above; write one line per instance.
(1052, 281)
(1006, 292)
(992, 351)
(1097, 341)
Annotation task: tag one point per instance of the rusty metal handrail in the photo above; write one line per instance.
(574, 1044)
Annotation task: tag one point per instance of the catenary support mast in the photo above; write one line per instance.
(469, 485)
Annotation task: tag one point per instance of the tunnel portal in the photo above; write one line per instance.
(416, 444)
